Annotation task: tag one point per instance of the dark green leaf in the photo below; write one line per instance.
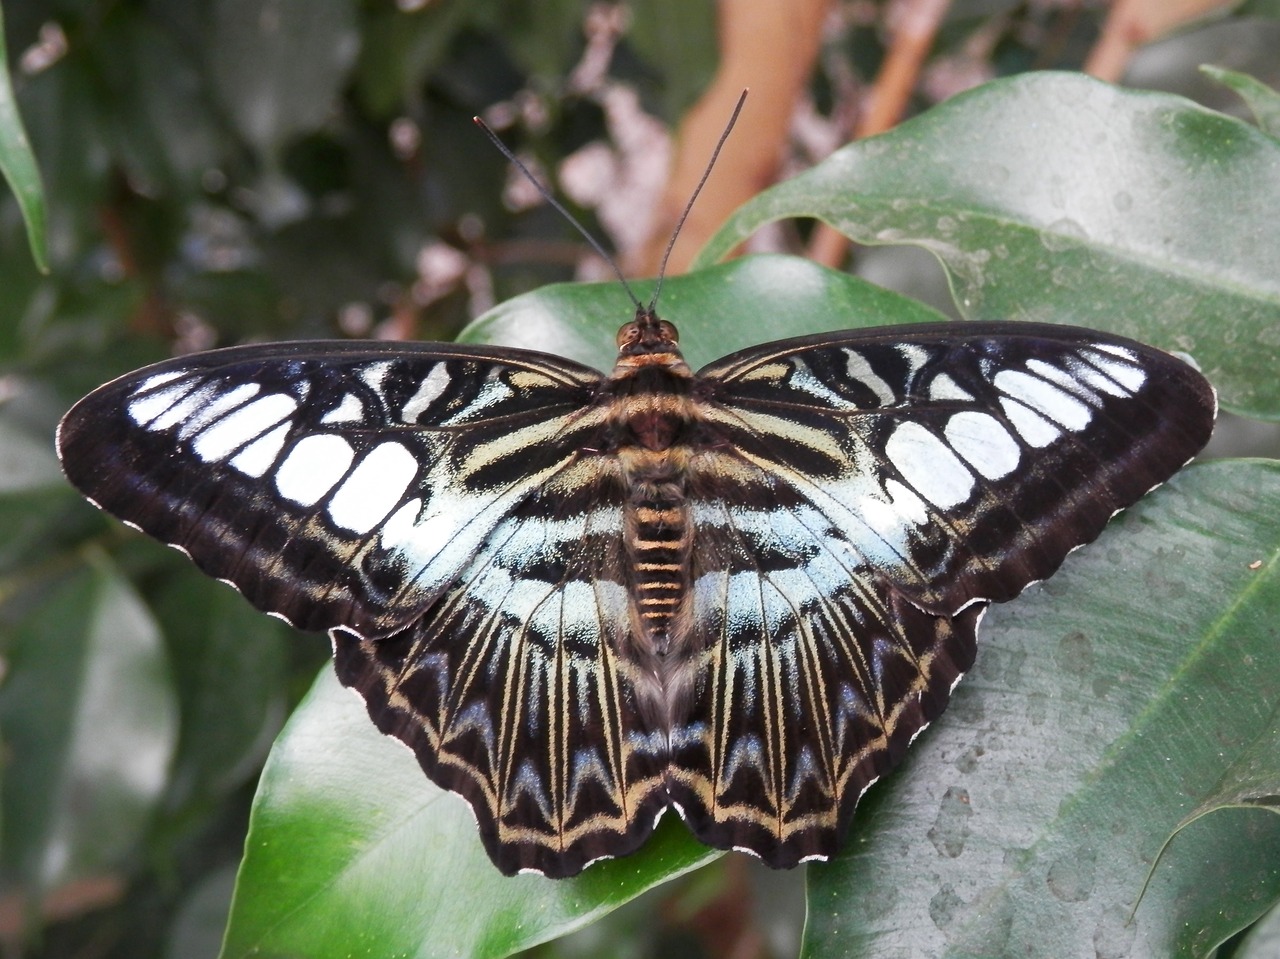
(544, 38)
(62, 110)
(161, 127)
(679, 39)
(1263, 940)
(229, 671)
(278, 65)
(1053, 197)
(27, 459)
(400, 48)
(89, 724)
(197, 929)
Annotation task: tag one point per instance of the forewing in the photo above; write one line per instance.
(516, 689)
(963, 461)
(333, 484)
(858, 500)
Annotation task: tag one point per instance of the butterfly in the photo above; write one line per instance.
(583, 599)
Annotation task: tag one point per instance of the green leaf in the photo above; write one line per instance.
(1252, 778)
(352, 851)
(229, 672)
(89, 724)
(725, 308)
(158, 119)
(401, 48)
(201, 920)
(1263, 940)
(1104, 705)
(18, 164)
(1262, 101)
(544, 38)
(27, 460)
(1053, 197)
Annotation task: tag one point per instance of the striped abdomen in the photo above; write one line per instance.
(658, 542)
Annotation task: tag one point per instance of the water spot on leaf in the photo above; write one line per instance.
(1071, 878)
(968, 761)
(1114, 935)
(1037, 708)
(945, 907)
(1064, 234)
(950, 829)
(1075, 653)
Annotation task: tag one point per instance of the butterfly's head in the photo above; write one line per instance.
(647, 334)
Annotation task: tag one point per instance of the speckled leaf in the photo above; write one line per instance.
(1057, 198)
(1105, 705)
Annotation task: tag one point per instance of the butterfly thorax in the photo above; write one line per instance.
(653, 421)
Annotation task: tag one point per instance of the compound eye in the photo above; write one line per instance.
(628, 333)
(668, 331)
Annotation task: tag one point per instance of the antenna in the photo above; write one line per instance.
(558, 207)
(595, 244)
(671, 244)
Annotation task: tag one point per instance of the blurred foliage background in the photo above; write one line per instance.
(220, 171)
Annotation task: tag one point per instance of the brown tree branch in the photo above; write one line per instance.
(769, 48)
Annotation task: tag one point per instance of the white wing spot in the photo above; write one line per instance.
(375, 373)
(159, 379)
(906, 503)
(374, 488)
(914, 356)
(429, 390)
(312, 468)
(216, 406)
(1068, 380)
(860, 369)
(1131, 378)
(984, 443)
(943, 387)
(350, 410)
(1032, 427)
(144, 409)
(1045, 398)
(242, 426)
(1116, 350)
(928, 466)
(256, 458)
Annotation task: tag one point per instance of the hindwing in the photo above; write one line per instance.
(816, 669)
(517, 691)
